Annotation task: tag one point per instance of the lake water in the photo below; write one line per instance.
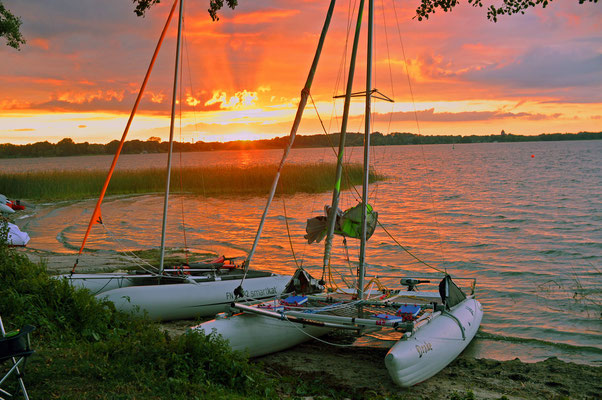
(525, 219)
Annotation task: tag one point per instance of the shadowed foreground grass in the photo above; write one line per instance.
(85, 349)
(206, 181)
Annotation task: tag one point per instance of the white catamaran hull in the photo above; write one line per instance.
(190, 300)
(434, 345)
(259, 335)
(174, 301)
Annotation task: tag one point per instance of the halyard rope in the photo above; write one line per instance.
(134, 258)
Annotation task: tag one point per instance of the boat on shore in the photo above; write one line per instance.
(10, 206)
(181, 291)
(433, 326)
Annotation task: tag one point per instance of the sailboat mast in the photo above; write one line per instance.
(96, 217)
(171, 129)
(339, 171)
(362, 258)
(300, 108)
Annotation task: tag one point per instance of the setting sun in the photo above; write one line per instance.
(242, 75)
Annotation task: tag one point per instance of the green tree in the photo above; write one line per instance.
(10, 28)
(426, 7)
(508, 7)
(214, 6)
(66, 147)
(10, 24)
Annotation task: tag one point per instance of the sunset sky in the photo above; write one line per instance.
(84, 61)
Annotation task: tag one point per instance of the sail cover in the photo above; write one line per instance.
(348, 224)
(450, 293)
(16, 237)
(303, 283)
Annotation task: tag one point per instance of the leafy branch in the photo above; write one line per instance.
(509, 7)
(214, 6)
(10, 28)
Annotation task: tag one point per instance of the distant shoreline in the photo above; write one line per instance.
(67, 147)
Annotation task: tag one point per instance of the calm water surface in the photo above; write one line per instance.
(525, 219)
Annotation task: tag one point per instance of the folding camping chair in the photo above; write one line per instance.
(14, 347)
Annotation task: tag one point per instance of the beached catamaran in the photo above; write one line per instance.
(179, 291)
(433, 327)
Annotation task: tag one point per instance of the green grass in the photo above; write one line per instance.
(207, 181)
(85, 349)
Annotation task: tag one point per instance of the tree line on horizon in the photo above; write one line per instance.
(67, 147)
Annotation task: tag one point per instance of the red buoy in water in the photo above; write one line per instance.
(532, 155)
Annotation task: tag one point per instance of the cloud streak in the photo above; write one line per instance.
(464, 116)
(242, 73)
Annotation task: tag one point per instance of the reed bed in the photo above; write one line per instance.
(204, 181)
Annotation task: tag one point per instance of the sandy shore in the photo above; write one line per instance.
(361, 370)
(88, 262)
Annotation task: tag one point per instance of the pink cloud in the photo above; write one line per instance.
(261, 16)
(464, 116)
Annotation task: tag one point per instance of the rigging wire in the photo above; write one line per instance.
(196, 123)
(128, 253)
(430, 186)
(408, 251)
(96, 214)
(315, 337)
(358, 195)
(180, 152)
(345, 170)
(290, 240)
(346, 174)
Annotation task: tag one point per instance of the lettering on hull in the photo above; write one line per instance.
(423, 349)
(255, 294)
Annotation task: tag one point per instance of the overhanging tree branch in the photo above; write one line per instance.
(508, 7)
(214, 6)
(10, 28)
(10, 24)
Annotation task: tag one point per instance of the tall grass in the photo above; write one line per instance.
(207, 181)
(86, 349)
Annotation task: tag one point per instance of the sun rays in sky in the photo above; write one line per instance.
(82, 66)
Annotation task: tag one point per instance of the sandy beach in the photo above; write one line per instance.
(361, 370)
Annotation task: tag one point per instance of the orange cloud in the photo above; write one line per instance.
(14, 105)
(240, 99)
(430, 115)
(39, 81)
(262, 17)
(157, 97)
(87, 97)
(43, 44)
(192, 101)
